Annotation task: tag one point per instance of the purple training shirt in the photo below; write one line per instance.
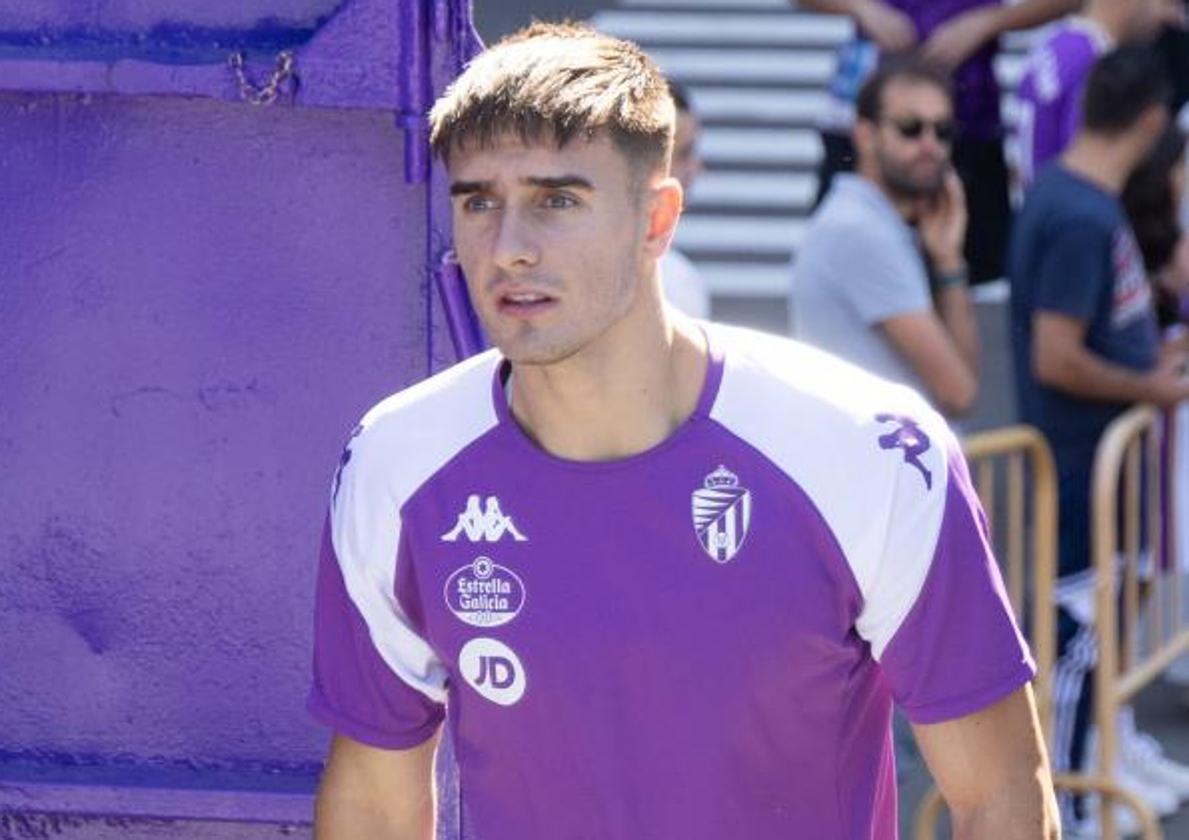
(976, 89)
(701, 641)
(1050, 91)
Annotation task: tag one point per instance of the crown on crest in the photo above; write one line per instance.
(722, 477)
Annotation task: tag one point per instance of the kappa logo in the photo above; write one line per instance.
(494, 670)
(483, 524)
(909, 437)
(722, 514)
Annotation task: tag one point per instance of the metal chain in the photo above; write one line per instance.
(266, 94)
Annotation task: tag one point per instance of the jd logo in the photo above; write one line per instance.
(496, 671)
(909, 437)
(493, 669)
(486, 524)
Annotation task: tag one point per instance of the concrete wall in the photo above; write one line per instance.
(198, 299)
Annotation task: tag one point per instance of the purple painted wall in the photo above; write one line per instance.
(198, 299)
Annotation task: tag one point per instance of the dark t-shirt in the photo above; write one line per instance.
(1073, 253)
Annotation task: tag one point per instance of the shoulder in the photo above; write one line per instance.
(864, 450)
(851, 215)
(1056, 67)
(406, 438)
(832, 397)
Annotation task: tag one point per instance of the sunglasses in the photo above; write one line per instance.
(912, 128)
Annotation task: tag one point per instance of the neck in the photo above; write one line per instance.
(1103, 161)
(620, 395)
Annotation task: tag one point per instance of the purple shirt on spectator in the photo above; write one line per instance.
(976, 90)
(1050, 92)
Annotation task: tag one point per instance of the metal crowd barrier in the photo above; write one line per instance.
(1013, 473)
(1141, 625)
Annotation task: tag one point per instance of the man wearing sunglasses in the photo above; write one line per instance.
(862, 288)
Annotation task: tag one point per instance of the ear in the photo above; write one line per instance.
(863, 135)
(664, 205)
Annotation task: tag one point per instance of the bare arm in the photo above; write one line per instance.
(931, 350)
(890, 28)
(993, 772)
(1061, 360)
(942, 345)
(374, 794)
(962, 35)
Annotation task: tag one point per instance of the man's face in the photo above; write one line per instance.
(551, 241)
(910, 143)
(687, 162)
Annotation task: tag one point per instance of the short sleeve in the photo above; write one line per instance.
(957, 649)
(1074, 269)
(880, 276)
(376, 679)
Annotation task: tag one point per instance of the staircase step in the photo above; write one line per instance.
(742, 28)
(771, 237)
(740, 279)
(759, 105)
(774, 5)
(791, 146)
(800, 67)
(755, 190)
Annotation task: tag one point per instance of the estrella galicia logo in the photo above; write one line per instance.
(910, 438)
(494, 670)
(722, 513)
(483, 524)
(484, 593)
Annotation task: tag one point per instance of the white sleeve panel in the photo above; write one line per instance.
(402, 442)
(821, 420)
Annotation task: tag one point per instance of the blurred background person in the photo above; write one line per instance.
(683, 285)
(1050, 90)
(961, 36)
(1087, 348)
(861, 287)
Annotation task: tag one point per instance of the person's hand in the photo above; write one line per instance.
(1168, 383)
(960, 37)
(890, 29)
(1175, 276)
(942, 224)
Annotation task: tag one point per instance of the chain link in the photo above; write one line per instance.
(267, 93)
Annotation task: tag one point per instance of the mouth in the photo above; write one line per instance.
(525, 304)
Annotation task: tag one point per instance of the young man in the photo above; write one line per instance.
(659, 580)
(861, 288)
(1086, 343)
(960, 36)
(1050, 91)
(683, 285)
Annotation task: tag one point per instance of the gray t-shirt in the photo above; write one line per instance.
(858, 265)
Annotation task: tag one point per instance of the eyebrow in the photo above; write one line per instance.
(546, 182)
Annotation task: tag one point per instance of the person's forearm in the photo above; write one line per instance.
(346, 818)
(834, 7)
(1020, 817)
(1083, 374)
(956, 312)
(1011, 17)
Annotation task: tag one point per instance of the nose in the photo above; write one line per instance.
(515, 247)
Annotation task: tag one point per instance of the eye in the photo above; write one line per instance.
(478, 203)
(560, 201)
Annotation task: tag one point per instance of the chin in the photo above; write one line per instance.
(535, 353)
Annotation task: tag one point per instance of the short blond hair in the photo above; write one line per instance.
(559, 81)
